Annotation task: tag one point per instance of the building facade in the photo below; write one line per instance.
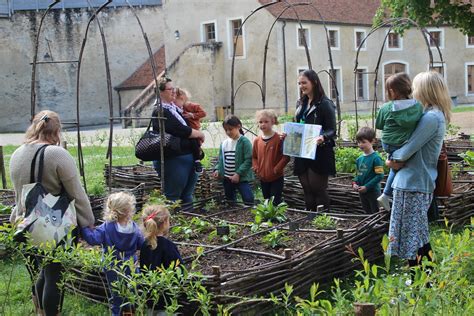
(348, 22)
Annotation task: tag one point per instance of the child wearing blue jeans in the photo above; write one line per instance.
(397, 119)
(235, 162)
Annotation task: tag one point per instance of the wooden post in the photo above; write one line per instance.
(64, 144)
(340, 233)
(364, 309)
(288, 253)
(216, 271)
(320, 208)
(2, 169)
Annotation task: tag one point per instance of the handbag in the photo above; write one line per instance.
(148, 147)
(47, 218)
(444, 182)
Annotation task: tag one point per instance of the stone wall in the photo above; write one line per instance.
(56, 83)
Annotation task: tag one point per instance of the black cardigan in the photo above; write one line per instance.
(174, 127)
(324, 114)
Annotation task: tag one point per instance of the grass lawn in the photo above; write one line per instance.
(15, 300)
(463, 108)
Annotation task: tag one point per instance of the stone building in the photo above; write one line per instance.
(60, 40)
(348, 23)
(194, 40)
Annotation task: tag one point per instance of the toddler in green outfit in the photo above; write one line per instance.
(397, 119)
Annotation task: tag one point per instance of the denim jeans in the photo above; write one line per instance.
(180, 177)
(274, 188)
(389, 149)
(244, 188)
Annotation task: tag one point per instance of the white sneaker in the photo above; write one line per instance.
(384, 202)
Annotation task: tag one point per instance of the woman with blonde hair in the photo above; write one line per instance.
(59, 173)
(417, 160)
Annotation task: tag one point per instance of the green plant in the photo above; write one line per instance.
(324, 222)
(189, 229)
(5, 209)
(266, 211)
(452, 129)
(227, 237)
(351, 130)
(346, 158)
(275, 238)
(468, 157)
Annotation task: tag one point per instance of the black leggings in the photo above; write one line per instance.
(315, 189)
(422, 252)
(46, 289)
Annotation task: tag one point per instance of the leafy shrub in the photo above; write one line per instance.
(468, 157)
(189, 229)
(346, 158)
(5, 209)
(269, 212)
(324, 222)
(275, 238)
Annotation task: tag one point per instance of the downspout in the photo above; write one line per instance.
(284, 67)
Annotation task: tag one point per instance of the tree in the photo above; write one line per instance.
(456, 13)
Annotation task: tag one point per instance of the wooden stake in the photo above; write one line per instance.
(2, 169)
(364, 309)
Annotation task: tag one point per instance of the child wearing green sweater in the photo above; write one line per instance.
(369, 167)
(397, 119)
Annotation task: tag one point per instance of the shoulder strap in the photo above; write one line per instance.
(40, 167)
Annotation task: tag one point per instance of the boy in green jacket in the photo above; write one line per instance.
(397, 119)
(369, 168)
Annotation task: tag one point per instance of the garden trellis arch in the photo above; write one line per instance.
(262, 86)
(112, 118)
(391, 24)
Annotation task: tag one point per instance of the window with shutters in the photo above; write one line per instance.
(469, 41)
(362, 92)
(335, 81)
(237, 37)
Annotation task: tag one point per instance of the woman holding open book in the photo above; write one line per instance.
(314, 107)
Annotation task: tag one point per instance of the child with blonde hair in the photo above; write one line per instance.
(193, 113)
(119, 234)
(417, 160)
(157, 251)
(268, 160)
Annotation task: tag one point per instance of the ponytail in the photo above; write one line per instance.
(45, 127)
(153, 217)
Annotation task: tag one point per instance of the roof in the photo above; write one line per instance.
(142, 77)
(351, 12)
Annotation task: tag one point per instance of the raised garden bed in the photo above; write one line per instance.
(246, 266)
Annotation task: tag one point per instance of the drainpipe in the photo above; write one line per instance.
(284, 67)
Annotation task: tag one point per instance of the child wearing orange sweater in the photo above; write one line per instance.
(268, 160)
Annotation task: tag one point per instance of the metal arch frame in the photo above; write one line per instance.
(93, 17)
(157, 103)
(109, 84)
(263, 86)
(35, 59)
(390, 23)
